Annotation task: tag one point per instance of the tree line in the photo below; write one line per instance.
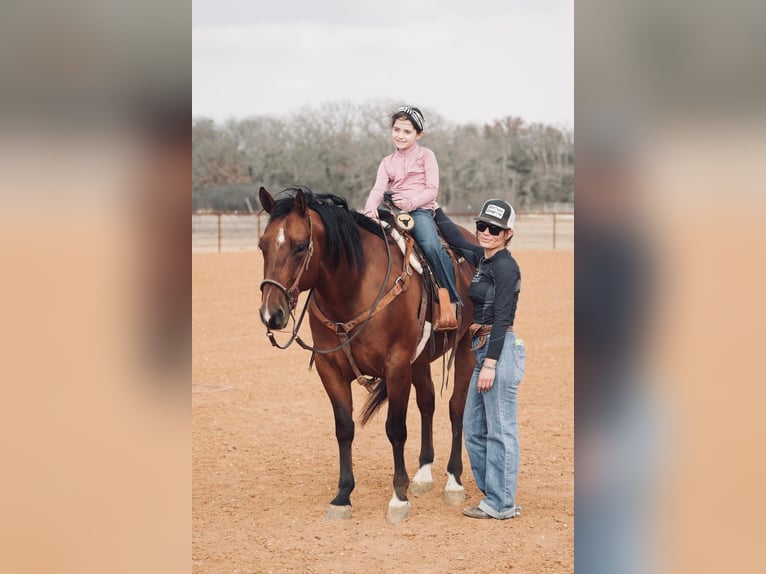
(336, 148)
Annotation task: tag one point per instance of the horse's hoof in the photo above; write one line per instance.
(420, 488)
(396, 514)
(454, 497)
(339, 512)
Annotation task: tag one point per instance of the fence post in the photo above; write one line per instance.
(554, 230)
(219, 233)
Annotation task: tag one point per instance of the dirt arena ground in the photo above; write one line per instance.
(265, 458)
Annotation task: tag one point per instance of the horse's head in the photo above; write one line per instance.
(287, 245)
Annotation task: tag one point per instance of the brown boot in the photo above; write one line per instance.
(447, 320)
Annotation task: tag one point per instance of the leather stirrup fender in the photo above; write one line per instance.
(447, 320)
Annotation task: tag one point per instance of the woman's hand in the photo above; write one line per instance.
(486, 376)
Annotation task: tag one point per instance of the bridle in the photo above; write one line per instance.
(291, 294)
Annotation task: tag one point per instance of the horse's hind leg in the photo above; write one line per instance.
(454, 493)
(422, 482)
(341, 399)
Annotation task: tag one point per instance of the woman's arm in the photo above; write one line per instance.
(507, 284)
(456, 239)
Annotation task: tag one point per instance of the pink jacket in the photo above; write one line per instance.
(411, 175)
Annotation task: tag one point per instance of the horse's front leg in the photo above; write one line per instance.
(422, 482)
(342, 406)
(398, 386)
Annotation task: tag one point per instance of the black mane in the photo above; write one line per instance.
(341, 224)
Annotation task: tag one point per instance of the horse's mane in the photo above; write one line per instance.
(341, 224)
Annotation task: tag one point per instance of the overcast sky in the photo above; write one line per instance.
(468, 60)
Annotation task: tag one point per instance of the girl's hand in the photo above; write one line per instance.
(403, 204)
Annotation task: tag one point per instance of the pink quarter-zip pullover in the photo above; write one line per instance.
(411, 175)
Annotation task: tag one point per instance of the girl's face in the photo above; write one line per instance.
(404, 135)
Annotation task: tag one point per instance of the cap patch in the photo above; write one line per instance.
(495, 211)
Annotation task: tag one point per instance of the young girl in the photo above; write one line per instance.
(411, 174)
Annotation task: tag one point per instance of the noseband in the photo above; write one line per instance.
(291, 293)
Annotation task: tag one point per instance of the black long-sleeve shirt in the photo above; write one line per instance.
(495, 286)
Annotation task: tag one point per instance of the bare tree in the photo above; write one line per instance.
(338, 146)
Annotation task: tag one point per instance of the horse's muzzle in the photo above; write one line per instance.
(275, 304)
(275, 318)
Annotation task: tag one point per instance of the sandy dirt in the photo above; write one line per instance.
(265, 463)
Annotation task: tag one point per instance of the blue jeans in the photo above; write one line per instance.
(428, 239)
(491, 429)
(616, 500)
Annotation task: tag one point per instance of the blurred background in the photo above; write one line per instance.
(94, 201)
(669, 116)
(95, 172)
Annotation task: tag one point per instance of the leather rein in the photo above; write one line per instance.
(342, 330)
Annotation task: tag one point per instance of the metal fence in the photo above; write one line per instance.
(219, 232)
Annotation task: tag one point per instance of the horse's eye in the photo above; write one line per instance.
(300, 248)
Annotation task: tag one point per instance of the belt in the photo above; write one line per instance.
(482, 331)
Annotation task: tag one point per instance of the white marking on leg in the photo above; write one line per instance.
(452, 483)
(423, 340)
(395, 502)
(423, 474)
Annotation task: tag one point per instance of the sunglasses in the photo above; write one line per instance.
(493, 229)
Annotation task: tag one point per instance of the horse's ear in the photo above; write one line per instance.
(267, 201)
(300, 203)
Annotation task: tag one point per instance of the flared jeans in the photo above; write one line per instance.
(491, 429)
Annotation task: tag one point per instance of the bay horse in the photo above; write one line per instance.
(364, 310)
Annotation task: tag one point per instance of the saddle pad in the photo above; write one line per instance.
(400, 242)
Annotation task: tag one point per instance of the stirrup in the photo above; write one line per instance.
(447, 320)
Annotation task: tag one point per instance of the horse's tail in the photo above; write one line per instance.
(377, 397)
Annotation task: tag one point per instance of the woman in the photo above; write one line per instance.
(411, 174)
(489, 420)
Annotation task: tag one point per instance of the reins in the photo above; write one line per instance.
(292, 298)
(340, 326)
(291, 293)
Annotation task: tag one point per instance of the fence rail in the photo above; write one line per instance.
(219, 232)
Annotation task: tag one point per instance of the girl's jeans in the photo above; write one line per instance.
(428, 239)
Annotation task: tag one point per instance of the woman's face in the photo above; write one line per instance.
(404, 135)
(493, 242)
